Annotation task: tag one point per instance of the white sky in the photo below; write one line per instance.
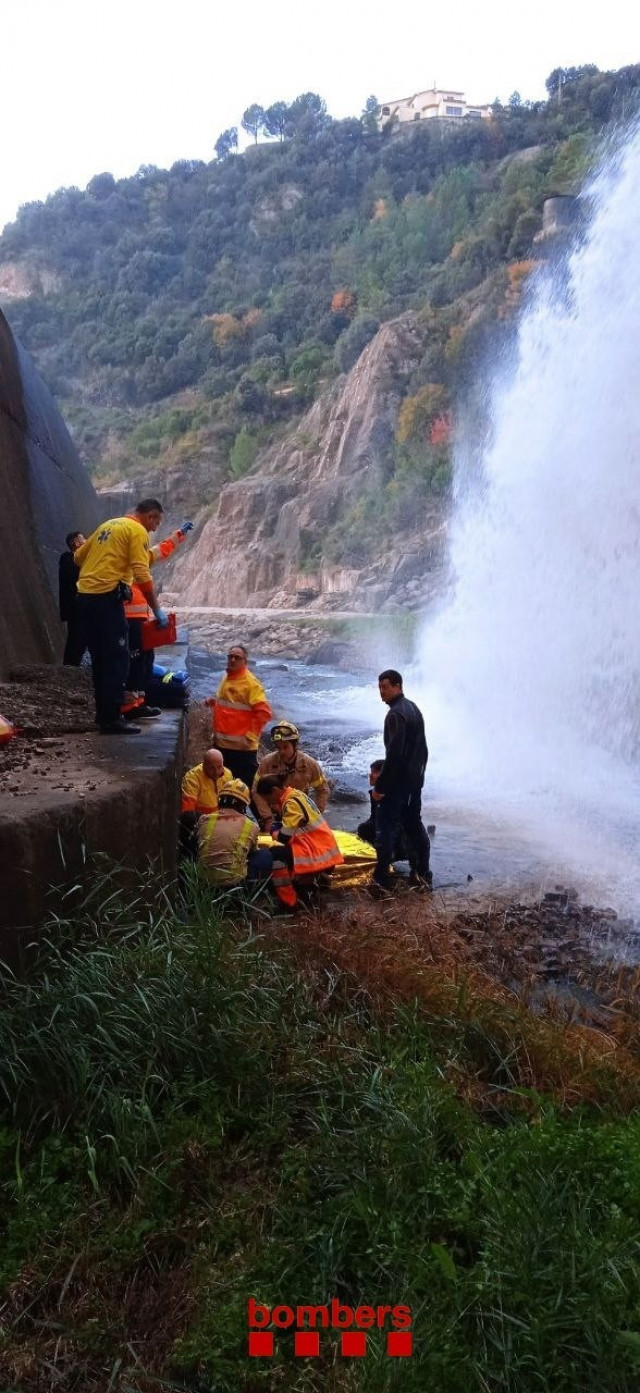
(88, 87)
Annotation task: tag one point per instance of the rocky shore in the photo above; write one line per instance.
(342, 639)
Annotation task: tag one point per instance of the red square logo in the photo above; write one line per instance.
(399, 1342)
(307, 1342)
(353, 1342)
(260, 1342)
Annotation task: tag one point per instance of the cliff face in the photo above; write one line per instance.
(44, 494)
(252, 551)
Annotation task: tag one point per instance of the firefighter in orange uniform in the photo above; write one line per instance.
(137, 612)
(240, 709)
(306, 845)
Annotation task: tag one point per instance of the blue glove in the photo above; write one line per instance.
(162, 619)
(186, 527)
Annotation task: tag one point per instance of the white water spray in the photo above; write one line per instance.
(531, 678)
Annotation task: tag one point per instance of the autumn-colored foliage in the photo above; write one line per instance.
(517, 272)
(380, 210)
(227, 327)
(440, 431)
(418, 412)
(455, 339)
(344, 302)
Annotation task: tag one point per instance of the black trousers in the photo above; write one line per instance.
(242, 763)
(75, 646)
(141, 659)
(108, 643)
(401, 811)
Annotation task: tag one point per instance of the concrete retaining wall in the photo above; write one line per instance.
(44, 493)
(130, 814)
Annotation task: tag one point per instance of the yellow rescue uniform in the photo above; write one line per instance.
(225, 839)
(240, 710)
(200, 793)
(117, 551)
(309, 844)
(304, 774)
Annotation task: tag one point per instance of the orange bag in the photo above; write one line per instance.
(155, 637)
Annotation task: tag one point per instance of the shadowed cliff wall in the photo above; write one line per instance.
(44, 493)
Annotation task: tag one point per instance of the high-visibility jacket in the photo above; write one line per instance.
(240, 710)
(117, 551)
(312, 843)
(305, 774)
(225, 839)
(200, 793)
(137, 607)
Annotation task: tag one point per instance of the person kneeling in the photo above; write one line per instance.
(306, 845)
(227, 841)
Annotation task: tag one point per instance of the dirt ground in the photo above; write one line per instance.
(50, 707)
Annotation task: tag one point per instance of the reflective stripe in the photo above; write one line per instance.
(239, 851)
(313, 845)
(136, 607)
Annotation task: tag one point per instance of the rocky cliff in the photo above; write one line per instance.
(44, 493)
(256, 549)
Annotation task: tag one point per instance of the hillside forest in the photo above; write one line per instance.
(188, 317)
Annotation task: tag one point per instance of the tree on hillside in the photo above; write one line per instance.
(370, 115)
(307, 116)
(226, 143)
(253, 120)
(276, 118)
(354, 340)
(563, 77)
(101, 186)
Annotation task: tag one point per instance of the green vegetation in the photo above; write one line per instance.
(187, 1121)
(234, 290)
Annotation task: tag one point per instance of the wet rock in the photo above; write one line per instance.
(343, 794)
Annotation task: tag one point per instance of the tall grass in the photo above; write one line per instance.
(188, 1120)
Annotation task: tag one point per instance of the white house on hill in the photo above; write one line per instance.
(440, 103)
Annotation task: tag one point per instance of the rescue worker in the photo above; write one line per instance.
(75, 645)
(202, 784)
(240, 709)
(305, 846)
(228, 852)
(116, 551)
(137, 611)
(299, 771)
(398, 791)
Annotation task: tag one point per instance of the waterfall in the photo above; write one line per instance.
(530, 677)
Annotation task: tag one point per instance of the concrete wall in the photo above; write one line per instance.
(130, 813)
(44, 493)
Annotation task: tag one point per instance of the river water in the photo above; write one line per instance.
(340, 717)
(529, 677)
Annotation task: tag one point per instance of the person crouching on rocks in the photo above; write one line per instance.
(306, 845)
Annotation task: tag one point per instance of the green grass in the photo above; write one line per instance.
(187, 1122)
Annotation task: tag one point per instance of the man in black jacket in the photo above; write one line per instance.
(69, 610)
(398, 791)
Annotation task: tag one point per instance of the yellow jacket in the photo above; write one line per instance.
(117, 551)
(200, 793)
(240, 710)
(305, 774)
